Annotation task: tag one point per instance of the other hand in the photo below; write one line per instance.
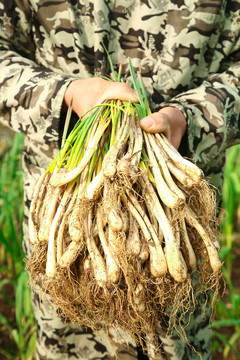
(168, 120)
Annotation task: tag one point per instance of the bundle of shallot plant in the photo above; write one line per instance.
(121, 223)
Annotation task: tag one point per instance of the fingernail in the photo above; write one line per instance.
(147, 123)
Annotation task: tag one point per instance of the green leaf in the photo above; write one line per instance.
(66, 124)
(226, 322)
(113, 72)
(19, 301)
(225, 341)
(4, 321)
(224, 251)
(7, 354)
(27, 299)
(15, 335)
(31, 345)
(232, 341)
(136, 87)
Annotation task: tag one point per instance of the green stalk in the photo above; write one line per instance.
(115, 76)
(67, 144)
(67, 122)
(76, 148)
(115, 118)
(92, 165)
(140, 107)
(144, 94)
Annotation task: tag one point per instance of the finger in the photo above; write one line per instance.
(119, 91)
(155, 123)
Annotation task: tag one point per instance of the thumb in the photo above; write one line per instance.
(156, 122)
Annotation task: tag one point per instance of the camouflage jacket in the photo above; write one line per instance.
(188, 52)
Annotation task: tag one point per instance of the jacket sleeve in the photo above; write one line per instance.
(31, 96)
(212, 109)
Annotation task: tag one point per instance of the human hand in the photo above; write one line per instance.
(86, 93)
(168, 120)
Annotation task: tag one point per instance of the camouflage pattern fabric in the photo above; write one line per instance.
(57, 340)
(197, 332)
(188, 53)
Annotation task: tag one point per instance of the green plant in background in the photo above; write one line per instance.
(231, 205)
(228, 315)
(11, 212)
(22, 332)
(226, 327)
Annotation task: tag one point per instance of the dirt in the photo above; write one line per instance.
(228, 331)
(7, 309)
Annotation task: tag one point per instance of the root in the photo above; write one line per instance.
(36, 266)
(134, 242)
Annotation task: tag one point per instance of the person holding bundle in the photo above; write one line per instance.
(52, 55)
